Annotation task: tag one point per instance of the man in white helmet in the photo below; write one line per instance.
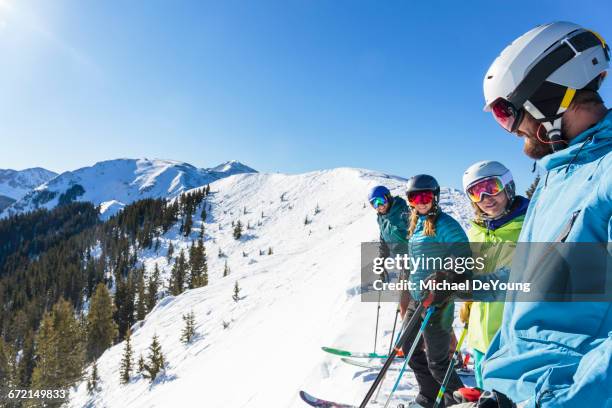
(543, 88)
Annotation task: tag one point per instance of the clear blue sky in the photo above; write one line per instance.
(289, 86)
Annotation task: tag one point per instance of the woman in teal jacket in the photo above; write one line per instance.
(428, 227)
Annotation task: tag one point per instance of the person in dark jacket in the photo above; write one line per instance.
(392, 217)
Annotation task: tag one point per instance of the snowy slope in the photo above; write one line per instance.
(303, 296)
(113, 184)
(16, 183)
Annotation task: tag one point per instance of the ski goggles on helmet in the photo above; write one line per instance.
(378, 202)
(490, 186)
(506, 114)
(420, 197)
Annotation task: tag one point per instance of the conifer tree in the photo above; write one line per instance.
(46, 372)
(188, 224)
(189, 329)
(170, 250)
(92, 381)
(6, 371)
(141, 304)
(101, 328)
(155, 363)
(238, 230)
(269, 250)
(126, 360)
(141, 364)
(177, 277)
(124, 303)
(198, 266)
(532, 187)
(25, 366)
(226, 270)
(203, 215)
(236, 295)
(59, 350)
(152, 288)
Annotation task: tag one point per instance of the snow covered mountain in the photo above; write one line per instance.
(113, 184)
(261, 350)
(16, 183)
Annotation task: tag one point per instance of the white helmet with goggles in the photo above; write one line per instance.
(540, 73)
(490, 178)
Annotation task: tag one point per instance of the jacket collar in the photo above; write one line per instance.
(586, 143)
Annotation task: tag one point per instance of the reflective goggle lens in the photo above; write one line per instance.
(505, 114)
(490, 186)
(420, 197)
(378, 202)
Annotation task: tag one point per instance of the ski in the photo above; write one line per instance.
(375, 365)
(319, 403)
(345, 353)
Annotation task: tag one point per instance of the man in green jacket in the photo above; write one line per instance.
(499, 215)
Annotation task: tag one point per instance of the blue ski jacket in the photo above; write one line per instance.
(448, 231)
(554, 354)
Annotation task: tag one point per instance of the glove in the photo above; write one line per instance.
(436, 297)
(464, 313)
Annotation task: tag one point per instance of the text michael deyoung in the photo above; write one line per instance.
(467, 286)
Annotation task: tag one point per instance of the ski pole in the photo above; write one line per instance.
(409, 327)
(451, 367)
(393, 331)
(377, 316)
(407, 357)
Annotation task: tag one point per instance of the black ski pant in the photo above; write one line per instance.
(431, 356)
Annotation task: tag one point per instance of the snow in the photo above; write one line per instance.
(15, 184)
(115, 183)
(303, 296)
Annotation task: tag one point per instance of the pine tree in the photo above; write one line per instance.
(238, 230)
(188, 224)
(189, 329)
(141, 303)
(46, 372)
(92, 381)
(244, 211)
(317, 209)
(6, 371)
(152, 288)
(198, 266)
(203, 215)
(270, 251)
(236, 295)
(59, 350)
(141, 364)
(306, 220)
(170, 251)
(101, 329)
(532, 187)
(126, 360)
(25, 366)
(226, 270)
(124, 303)
(178, 274)
(155, 362)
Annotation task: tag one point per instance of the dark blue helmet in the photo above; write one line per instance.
(379, 192)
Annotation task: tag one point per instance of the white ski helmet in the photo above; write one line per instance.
(489, 168)
(540, 72)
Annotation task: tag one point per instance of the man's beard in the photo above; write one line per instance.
(535, 149)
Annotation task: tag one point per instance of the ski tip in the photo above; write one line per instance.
(336, 351)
